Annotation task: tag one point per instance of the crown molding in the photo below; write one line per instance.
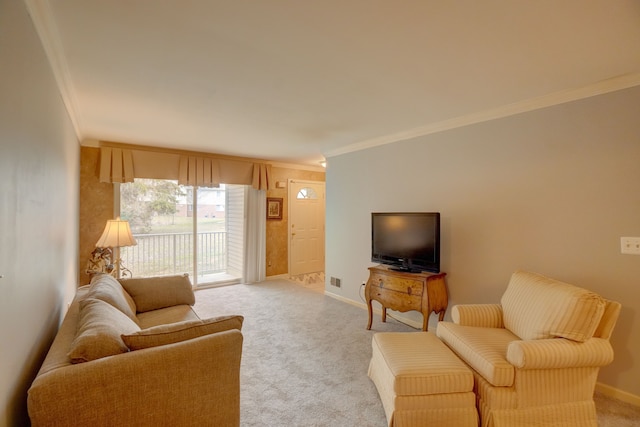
(625, 81)
(47, 30)
(94, 143)
(298, 166)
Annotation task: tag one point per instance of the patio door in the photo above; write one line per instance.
(218, 221)
(180, 229)
(306, 226)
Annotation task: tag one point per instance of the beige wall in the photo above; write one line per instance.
(96, 207)
(39, 158)
(550, 191)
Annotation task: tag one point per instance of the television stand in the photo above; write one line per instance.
(404, 270)
(403, 291)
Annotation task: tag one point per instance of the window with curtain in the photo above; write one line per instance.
(185, 229)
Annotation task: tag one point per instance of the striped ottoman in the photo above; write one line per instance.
(421, 382)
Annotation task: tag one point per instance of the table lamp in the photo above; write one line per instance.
(116, 234)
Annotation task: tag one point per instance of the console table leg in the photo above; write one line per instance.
(370, 314)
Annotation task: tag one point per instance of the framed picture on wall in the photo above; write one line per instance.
(274, 207)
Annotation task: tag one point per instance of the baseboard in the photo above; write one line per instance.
(624, 396)
(343, 299)
(377, 311)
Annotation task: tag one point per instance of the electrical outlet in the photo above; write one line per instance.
(335, 282)
(630, 245)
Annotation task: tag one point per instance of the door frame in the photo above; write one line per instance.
(290, 197)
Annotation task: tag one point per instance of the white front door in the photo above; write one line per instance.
(306, 227)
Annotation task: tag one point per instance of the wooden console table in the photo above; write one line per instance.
(401, 291)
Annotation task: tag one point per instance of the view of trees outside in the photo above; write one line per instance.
(145, 200)
(161, 206)
(161, 215)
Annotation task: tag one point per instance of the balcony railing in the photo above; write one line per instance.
(172, 253)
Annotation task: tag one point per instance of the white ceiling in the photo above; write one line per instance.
(296, 80)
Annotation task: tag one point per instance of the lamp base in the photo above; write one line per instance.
(100, 262)
(123, 271)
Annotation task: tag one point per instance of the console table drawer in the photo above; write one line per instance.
(400, 301)
(398, 284)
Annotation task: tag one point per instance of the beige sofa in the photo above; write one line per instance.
(134, 353)
(535, 356)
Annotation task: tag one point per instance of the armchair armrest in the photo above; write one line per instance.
(482, 315)
(555, 353)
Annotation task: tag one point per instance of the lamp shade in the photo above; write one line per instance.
(116, 234)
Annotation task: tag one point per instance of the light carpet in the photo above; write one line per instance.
(305, 358)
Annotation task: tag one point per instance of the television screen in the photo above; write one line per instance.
(408, 241)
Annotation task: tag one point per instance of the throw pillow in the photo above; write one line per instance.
(153, 293)
(100, 326)
(537, 307)
(181, 331)
(106, 288)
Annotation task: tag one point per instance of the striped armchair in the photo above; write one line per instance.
(536, 355)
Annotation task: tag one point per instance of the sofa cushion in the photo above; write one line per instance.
(536, 307)
(100, 326)
(164, 316)
(484, 349)
(177, 332)
(106, 288)
(153, 293)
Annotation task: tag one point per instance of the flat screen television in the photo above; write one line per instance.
(407, 241)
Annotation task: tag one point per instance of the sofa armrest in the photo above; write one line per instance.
(481, 315)
(555, 353)
(194, 382)
(154, 293)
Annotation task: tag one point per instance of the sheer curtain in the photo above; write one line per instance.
(255, 236)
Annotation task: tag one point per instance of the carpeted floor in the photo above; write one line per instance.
(305, 358)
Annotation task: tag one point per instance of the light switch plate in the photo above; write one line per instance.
(630, 245)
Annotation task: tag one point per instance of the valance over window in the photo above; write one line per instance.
(116, 165)
(199, 171)
(261, 176)
(210, 172)
(119, 164)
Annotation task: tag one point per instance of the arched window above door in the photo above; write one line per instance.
(307, 193)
